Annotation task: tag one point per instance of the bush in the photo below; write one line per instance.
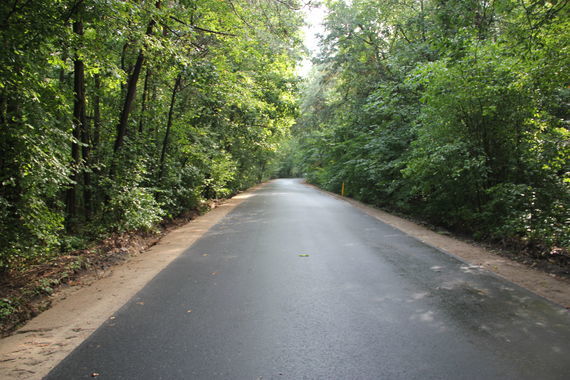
(130, 204)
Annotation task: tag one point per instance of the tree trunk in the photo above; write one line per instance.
(143, 105)
(169, 124)
(79, 121)
(131, 92)
(128, 104)
(97, 112)
(86, 151)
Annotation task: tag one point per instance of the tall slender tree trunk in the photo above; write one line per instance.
(86, 152)
(131, 92)
(153, 128)
(97, 112)
(91, 197)
(128, 103)
(169, 124)
(79, 121)
(10, 166)
(124, 51)
(144, 98)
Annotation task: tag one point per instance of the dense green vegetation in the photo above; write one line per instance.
(452, 110)
(116, 114)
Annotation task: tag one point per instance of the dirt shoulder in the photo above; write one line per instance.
(547, 285)
(34, 349)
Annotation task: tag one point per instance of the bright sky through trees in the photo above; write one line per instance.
(314, 16)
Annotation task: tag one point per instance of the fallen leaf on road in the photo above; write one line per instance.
(189, 311)
(204, 254)
(95, 374)
(140, 303)
(214, 273)
(303, 255)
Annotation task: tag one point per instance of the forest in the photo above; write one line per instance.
(118, 114)
(454, 112)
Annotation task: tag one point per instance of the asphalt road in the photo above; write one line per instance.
(295, 284)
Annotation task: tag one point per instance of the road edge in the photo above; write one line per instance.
(551, 288)
(37, 347)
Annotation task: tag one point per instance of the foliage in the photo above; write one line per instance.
(456, 111)
(7, 308)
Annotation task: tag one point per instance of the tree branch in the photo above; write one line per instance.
(237, 14)
(203, 29)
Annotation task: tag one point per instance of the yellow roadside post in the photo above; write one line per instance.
(342, 189)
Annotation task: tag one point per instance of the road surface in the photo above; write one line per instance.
(296, 284)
